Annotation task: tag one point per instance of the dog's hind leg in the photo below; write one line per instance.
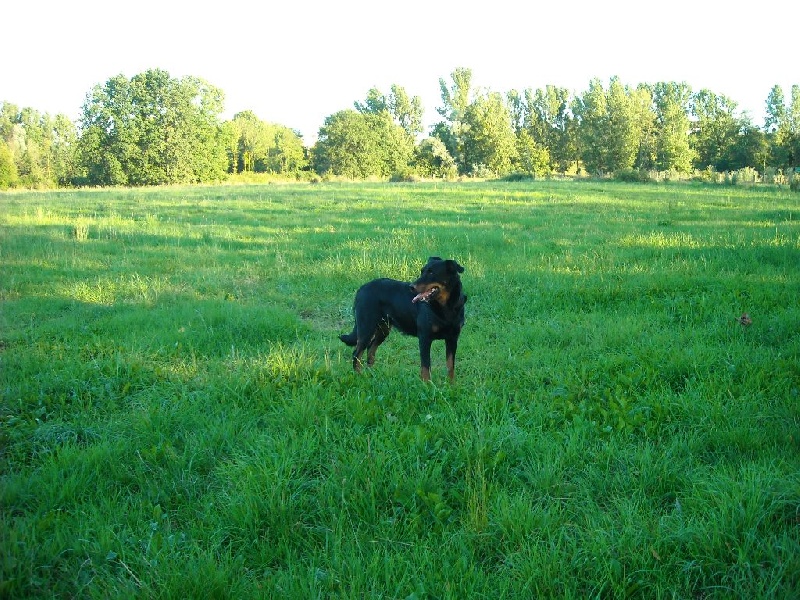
(381, 333)
(361, 345)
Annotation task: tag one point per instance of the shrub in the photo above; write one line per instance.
(481, 171)
(8, 169)
(406, 175)
(774, 176)
(433, 160)
(795, 184)
(669, 175)
(633, 176)
(744, 176)
(518, 176)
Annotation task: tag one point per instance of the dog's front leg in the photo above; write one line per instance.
(425, 357)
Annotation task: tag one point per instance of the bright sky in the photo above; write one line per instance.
(295, 63)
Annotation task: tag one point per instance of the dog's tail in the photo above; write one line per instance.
(349, 338)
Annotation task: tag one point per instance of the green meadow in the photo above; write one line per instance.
(179, 420)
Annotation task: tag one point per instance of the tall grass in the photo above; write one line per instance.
(179, 419)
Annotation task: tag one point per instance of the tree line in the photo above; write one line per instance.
(154, 129)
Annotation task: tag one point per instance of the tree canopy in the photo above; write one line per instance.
(255, 146)
(155, 129)
(152, 129)
(359, 145)
(783, 127)
(36, 150)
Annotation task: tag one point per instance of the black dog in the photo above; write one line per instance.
(431, 308)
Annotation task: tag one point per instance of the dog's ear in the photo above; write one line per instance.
(454, 267)
(432, 258)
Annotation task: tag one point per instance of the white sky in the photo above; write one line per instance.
(295, 63)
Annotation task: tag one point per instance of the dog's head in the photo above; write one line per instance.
(438, 281)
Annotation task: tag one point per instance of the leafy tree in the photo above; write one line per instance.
(98, 164)
(251, 141)
(672, 105)
(443, 132)
(261, 147)
(152, 129)
(33, 162)
(346, 146)
(488, 136)
(643, 105)
(792, 140)
(8, 169)
(205, 150)
(548, 120)
(594, 133)
(716, 130)
(405, 111)
(107, 137)
(628, 117)
(287, 154)
(517, 109)
(431, 159)
(360, 145)
(531, 157)
(455, 101)
(230, 136)
(750, 149)
(783, 126)
(610, 127)
(41, 147)
(455, 98)
(8, 117)
(776, 113)
(375, 103)
(64, 143)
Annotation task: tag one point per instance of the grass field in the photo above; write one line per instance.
(179, 419)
